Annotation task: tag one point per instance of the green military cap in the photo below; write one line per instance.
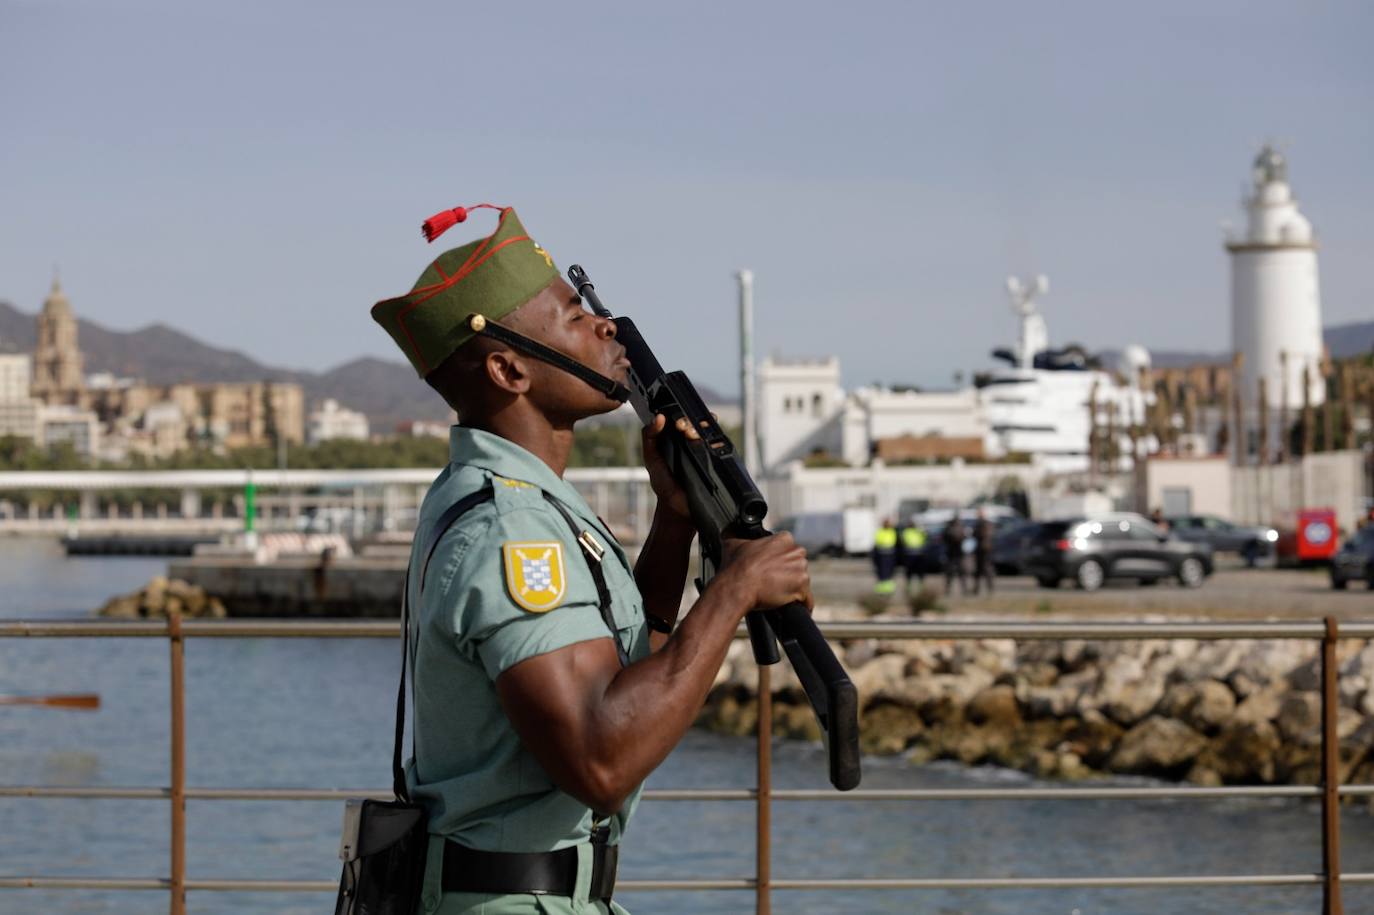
(490, 277)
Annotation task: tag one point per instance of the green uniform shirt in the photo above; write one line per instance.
(507, 582)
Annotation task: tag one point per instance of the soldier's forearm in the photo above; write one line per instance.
(649, 705)
(661, 570)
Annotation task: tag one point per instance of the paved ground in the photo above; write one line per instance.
(1232, 592)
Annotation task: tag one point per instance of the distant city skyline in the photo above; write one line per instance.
(255, 175)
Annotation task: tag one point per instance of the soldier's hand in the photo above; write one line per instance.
(771, 571)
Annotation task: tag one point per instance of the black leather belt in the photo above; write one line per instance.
(468, 870)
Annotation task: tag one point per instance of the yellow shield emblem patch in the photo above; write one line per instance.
(534, 574)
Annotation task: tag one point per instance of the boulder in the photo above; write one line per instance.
(1214, 707)
(1069, 765)
(1262, 705)
(937, 693)
(1214, 660)
(1123, 691)
(122, 607)
(1203, 776)
(1300, 717)
(1306, 677)
(1094, 738)
(1243, 753)
(1037, 674)
(1204, 706)
(795, 721)
(888, 728)
(1047, 701)
(1360, 663)
(1352, 689)
(1266, 663)
(994, 705)
(884, 677)
(1157, 746)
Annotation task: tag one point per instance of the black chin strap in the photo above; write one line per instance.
(608, 387)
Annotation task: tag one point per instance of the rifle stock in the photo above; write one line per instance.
(725, 502)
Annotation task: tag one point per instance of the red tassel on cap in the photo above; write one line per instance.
(440, 223)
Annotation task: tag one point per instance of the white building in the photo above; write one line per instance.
(799, 409)
(63, 423)
(332, 421)
(872, 414)
(1275, 300)
(18, 410)
(15, 372)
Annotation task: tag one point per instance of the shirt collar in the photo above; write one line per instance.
(504, 458)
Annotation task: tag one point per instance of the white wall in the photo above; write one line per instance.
(1274, 494)
(1206, 480)
(799, 489)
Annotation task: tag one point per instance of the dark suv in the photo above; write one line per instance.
(1252, 543)
(1355, 560)
(1091, 550)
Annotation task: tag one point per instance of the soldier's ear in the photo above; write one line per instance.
(508, 371)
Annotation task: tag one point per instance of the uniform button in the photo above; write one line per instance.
(431, 902)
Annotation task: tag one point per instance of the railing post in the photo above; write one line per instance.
(763, 818)
(178, 787)
(1331, 777)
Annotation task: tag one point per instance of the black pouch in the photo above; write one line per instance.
(383, 852)
(385, 843)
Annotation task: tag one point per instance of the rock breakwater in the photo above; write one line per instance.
(162, 597)
(1209, 712)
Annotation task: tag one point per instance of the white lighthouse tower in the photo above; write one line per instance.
(1276, 321)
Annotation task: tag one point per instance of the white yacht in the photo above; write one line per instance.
(1040, 402)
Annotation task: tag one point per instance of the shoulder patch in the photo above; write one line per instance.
(534, 574)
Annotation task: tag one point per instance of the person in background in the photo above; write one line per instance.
(983, 571)
(953, 537)
(912, 544)
(885, 557)
(1157, 518)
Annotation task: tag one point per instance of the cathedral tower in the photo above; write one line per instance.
(57, 377)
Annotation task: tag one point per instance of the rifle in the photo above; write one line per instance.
(725, 502)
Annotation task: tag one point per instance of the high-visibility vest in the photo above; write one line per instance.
(885, 539)
(913, 538)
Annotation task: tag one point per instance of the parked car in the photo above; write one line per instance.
(1355, 560)
(1011, 547)
(1252, 543)
(1089, 551)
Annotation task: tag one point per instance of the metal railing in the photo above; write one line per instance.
(176, 631)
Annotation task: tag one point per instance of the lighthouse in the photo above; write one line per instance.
(1276, 322)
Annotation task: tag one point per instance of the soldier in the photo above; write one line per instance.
(550, 679)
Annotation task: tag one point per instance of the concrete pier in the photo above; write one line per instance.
(363, 587)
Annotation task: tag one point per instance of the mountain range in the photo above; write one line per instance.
(386, 391)
(1342, 341)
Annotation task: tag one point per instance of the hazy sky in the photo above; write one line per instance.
(255, 173)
